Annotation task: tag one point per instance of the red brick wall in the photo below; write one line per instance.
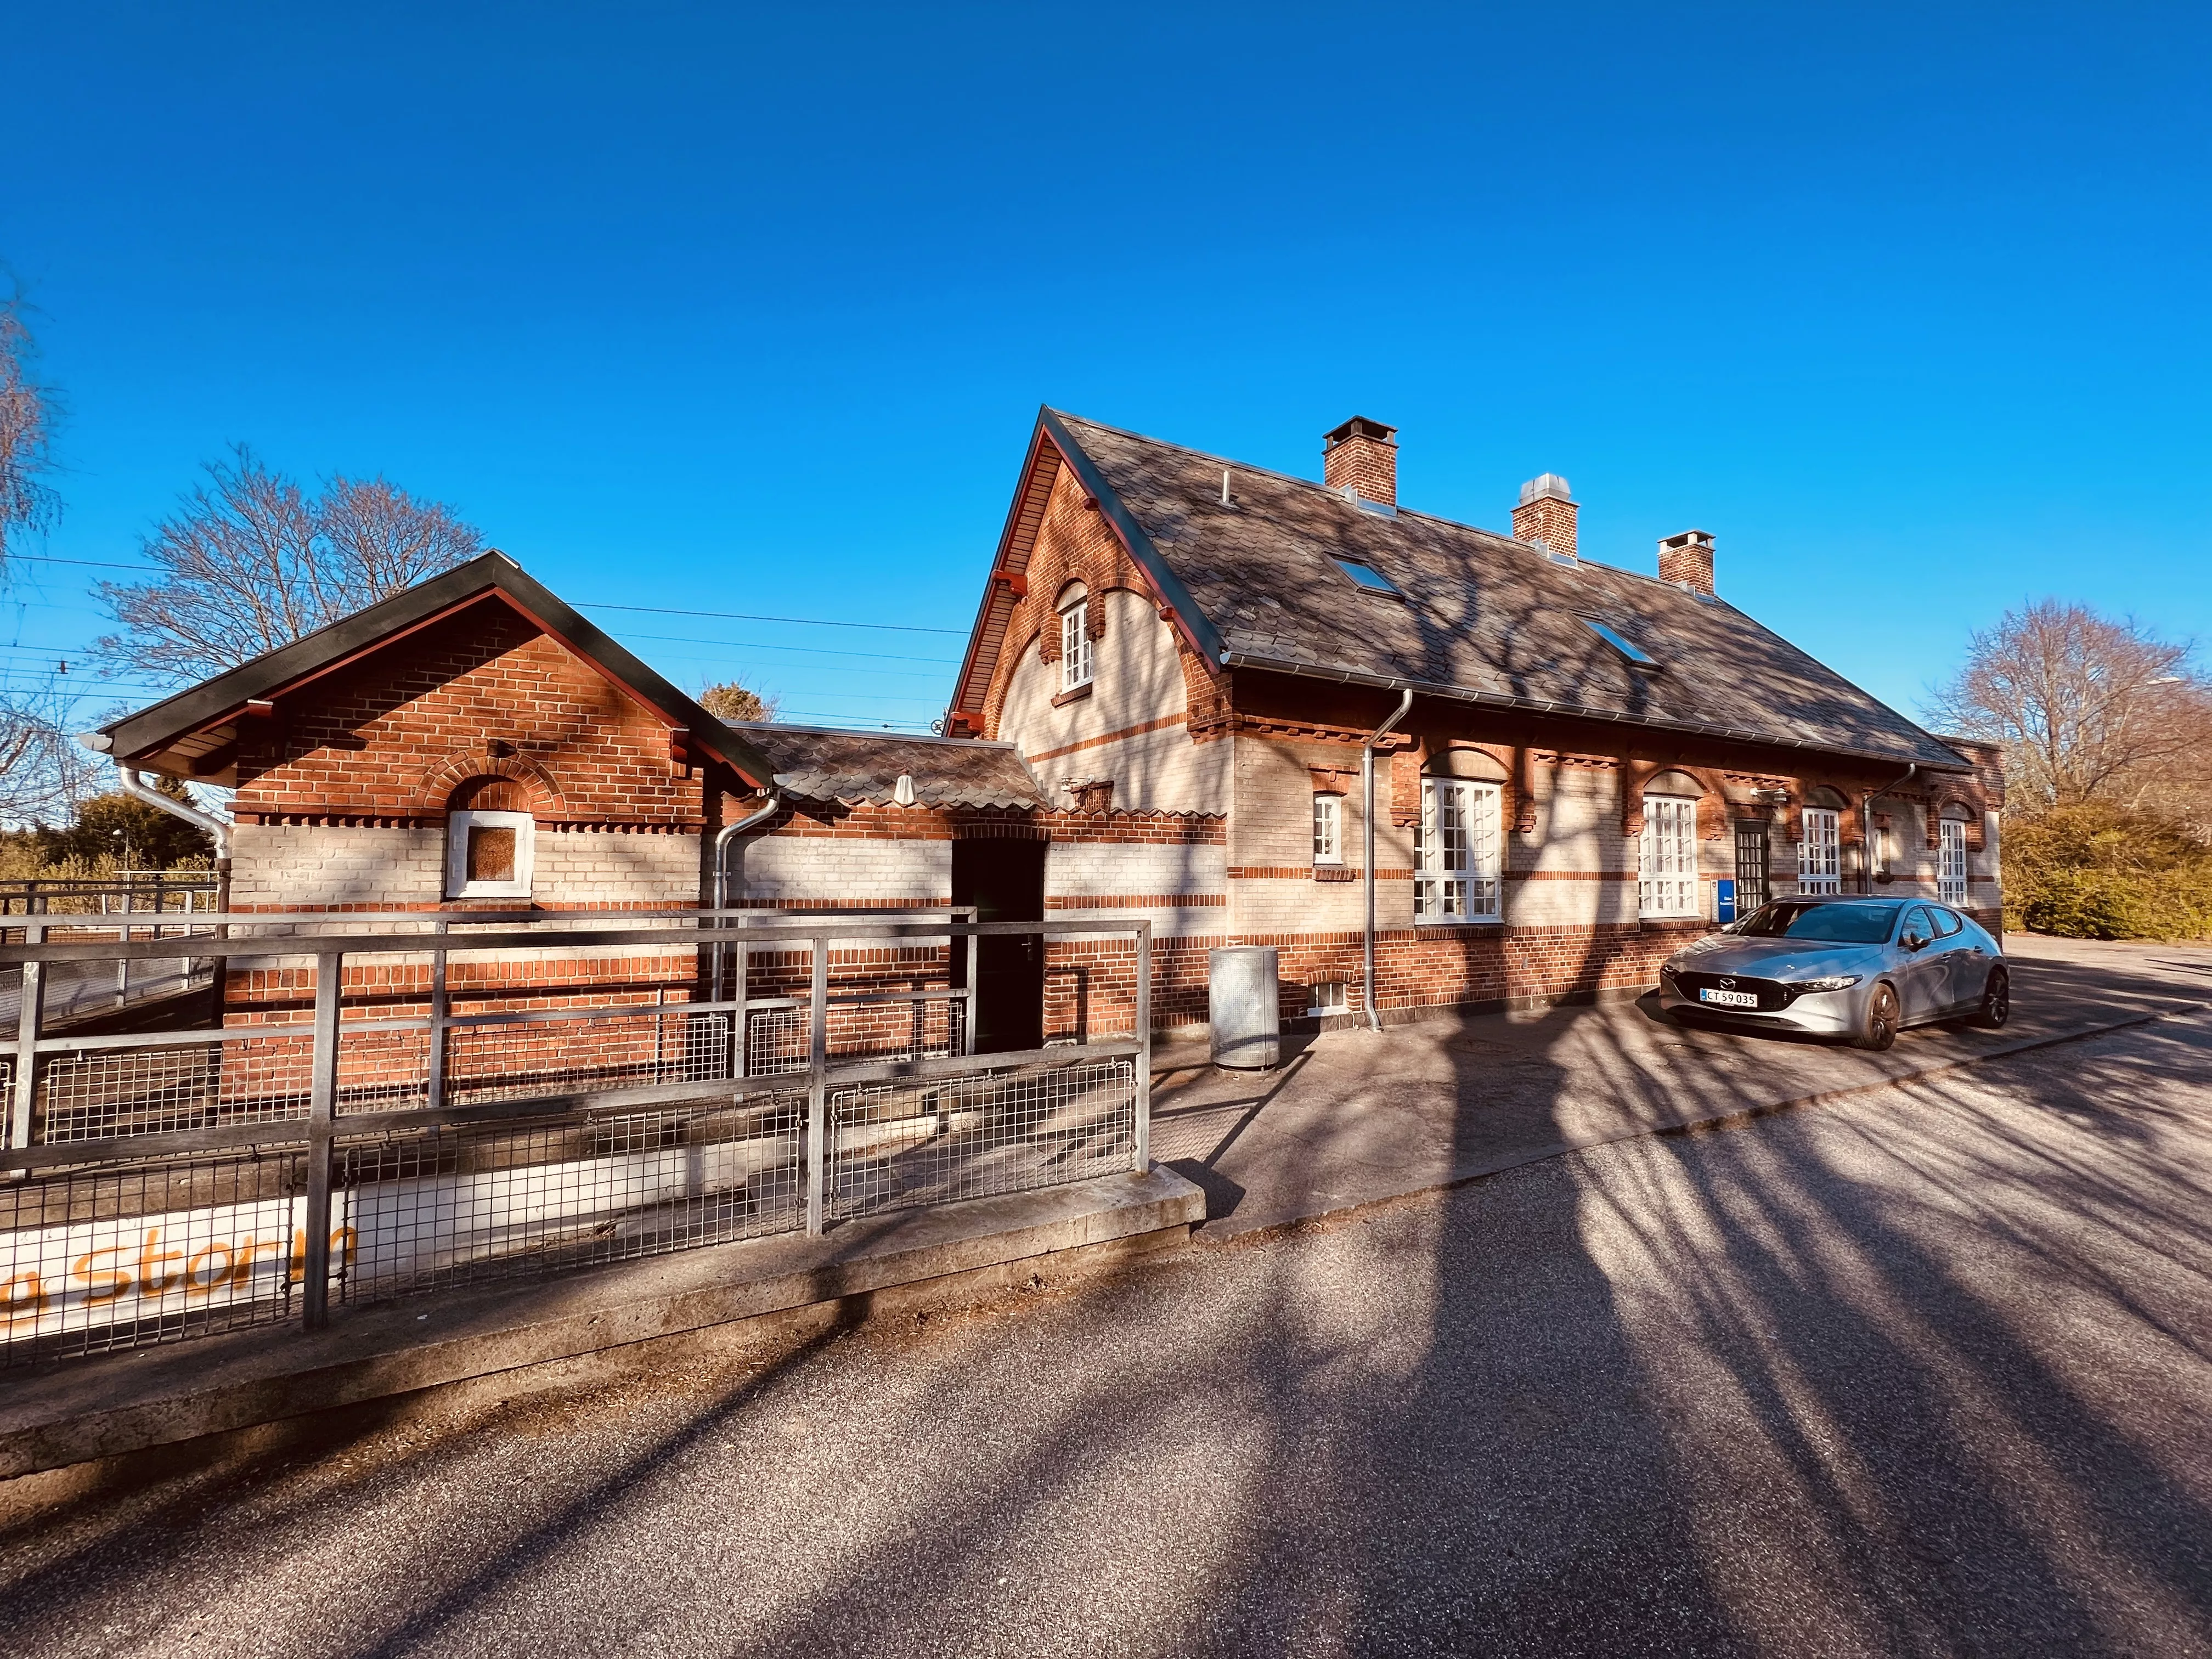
(386, 740)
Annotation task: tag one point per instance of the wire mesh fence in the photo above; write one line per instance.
(434, 1210)
(902, 1145)
(122, 1256)
(533, 1115)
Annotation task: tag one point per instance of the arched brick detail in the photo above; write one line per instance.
(1954, 804)
(1074, 542)
(1636, 776)
(439, 782)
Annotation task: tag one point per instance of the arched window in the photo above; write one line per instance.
(490, 839)
(1667, 862)
(1075, 662)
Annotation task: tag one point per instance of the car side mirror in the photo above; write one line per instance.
(1914, 942)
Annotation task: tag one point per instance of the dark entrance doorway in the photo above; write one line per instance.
(1005, 881)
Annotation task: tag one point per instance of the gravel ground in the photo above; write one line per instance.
(1924, 1372)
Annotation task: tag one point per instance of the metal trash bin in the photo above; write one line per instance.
(1243, 1006)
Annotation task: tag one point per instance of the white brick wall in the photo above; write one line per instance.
(1138, 678)
(852, 872)
(1075, 870)
(598, 866)
(313, 867)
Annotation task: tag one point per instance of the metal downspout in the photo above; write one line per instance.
(137, 789)
(1367, 854)
(1866, 831)
(724, 840)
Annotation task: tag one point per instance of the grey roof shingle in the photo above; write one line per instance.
(820, 763)
(1483, 617)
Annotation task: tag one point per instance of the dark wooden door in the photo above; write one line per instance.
(1005, 881)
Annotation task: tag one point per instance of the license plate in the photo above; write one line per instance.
(1729, 999)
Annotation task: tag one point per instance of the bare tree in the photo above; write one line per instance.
(44, 771)
(27, 505)
(251, 562)
(729, 700)
(2088, 708)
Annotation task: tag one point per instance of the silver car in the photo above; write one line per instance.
(1859, 968)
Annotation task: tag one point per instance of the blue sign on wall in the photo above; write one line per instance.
(1724, 899)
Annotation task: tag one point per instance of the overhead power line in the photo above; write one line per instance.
(587, 605)
(748, 615)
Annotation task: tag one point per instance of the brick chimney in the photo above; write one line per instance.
(1362, 455)
(1546, 514)
(1687, 560)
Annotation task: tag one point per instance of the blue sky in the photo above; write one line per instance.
(751, 311)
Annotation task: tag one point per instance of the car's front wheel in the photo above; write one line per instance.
(1996, 1001)
(1878, 1025)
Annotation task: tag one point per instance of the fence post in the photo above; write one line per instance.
(1144, 1158)
(322, 1103)
(122, 961)
(740, 1016)
(441, 1007)
(968, 1044)
(26, 1032)
(818, 1093)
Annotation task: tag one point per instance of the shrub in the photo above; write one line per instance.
(2095, 870)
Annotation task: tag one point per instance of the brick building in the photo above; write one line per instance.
(1184, 679)
(1568, 760)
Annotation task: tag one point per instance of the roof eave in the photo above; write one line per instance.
(151, 730)
(1340, 676)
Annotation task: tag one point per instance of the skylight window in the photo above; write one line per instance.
(1636, 657)
(1369, 577)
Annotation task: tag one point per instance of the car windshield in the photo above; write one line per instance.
(1833, 924)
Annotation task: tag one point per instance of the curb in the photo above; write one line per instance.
(1713, 1124)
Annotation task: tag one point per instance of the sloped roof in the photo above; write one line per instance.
(815, 762)
(1483, 618)
(182, 734)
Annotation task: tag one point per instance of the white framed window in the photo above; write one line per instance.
(1326, 997)
(489, 854)
(1329, 829)
(1951, 861)
(1456, 852)
(1820, 867)
(1075, 646)
(1667, 863)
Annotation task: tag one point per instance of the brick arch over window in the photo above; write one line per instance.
(1829, 799)
(1503, 764)
(1636, 776)
(1963, 810)
(474, 770)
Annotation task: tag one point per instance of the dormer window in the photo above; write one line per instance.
(1075, 660)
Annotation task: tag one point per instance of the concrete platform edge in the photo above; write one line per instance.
(83, 1410)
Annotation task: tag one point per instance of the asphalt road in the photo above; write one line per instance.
(1924, 1372)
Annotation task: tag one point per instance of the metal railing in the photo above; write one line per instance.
(129, 891)
(401, 1102)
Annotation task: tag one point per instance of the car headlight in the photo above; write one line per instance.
(1831, 982)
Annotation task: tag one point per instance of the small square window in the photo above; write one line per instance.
(489, 854)
(1326, 996)
(1329, 829)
